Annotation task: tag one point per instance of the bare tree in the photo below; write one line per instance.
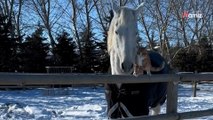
(161, 20)
(99, 8)
(178, 8)
(7, 7)
(74, 24)
(123, 2)
(155, 22)
(164, 10)
(81, 17)
(43, 9)
(18, 18)
(88, 20)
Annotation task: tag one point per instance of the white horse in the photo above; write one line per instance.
(121, 43)
(122, 48)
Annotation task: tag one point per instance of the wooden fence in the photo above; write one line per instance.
(195, 83)
(25, 79)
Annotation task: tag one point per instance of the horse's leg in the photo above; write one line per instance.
(155, 110)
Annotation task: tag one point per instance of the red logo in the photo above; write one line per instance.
(185, 14)
(196, 14)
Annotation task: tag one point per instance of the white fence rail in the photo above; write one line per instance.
(25, 79)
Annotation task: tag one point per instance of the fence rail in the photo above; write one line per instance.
(174, 116)
(53, 78)
(25, 79)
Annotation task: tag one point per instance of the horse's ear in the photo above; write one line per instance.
(139, 8)
(114, 6)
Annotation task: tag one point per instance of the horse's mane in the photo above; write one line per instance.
(110, 35)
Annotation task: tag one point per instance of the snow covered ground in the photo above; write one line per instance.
(84, 103)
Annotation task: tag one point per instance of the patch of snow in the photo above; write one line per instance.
(84, 103)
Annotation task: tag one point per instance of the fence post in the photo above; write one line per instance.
(48, 69)
(194, 87)
(172, 94)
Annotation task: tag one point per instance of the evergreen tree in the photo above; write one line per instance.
(103, 56)
(197, 57)
(65, 51)
(89, 52)
(205, 58)
(33, 53)
(8, 46)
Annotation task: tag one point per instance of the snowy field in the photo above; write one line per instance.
(84, 103)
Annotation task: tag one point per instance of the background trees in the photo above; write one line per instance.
(197, 57)
(74, 33)
(8, 46)
(64, 52)
(33, 52)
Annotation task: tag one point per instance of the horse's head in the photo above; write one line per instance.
(122, 39)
